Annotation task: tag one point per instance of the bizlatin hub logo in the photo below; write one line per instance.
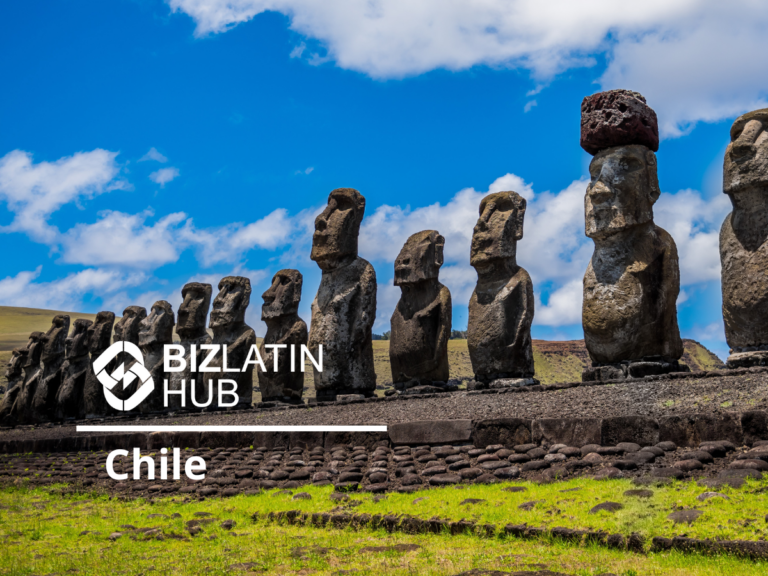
(197, 360)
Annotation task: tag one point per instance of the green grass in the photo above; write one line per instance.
(40, 531)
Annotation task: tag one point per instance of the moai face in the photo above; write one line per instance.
(77, 343)
(283, 297)
(498, 229)
(14, 367)
(157, 328)
(337, 228)
(53, 341)
(231, 302)
(622, 191)
(100, 332)
(193, 310)
(34, 349)
(127, 328)
(746, 158)
(420, 259)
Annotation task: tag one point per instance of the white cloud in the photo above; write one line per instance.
(529, 105)
(563, 308)
(153, 154)
(35, 191)
(164, 175)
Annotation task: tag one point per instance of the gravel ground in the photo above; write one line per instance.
(652, 398)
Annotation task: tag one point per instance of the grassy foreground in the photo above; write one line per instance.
(43, 532)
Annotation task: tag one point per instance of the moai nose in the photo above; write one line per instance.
(745, 143)
(600, 192)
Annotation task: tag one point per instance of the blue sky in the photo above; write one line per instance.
(144, 144)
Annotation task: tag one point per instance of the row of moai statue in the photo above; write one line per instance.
(629, 312)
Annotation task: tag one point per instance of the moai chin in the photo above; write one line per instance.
(155, 331)
(284, 327)
(190, 326)
(344, 309)
(744, 241)
(629, 312)
(127, 330)
(14, 375)
(69, 399)
(501, 306)
(230, 331)
(20, 412)
(99, 337)
(52, 358)
(421, 321)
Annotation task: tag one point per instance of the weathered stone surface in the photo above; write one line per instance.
(617, 118)
(127, 330)
(693, 429)
(569, 431)
(283, 380)
(421, 322)
(643, 431)
(155, 331)
(744, 240)
(99, 336)
(431, 432)
(230, 330)
(52, 358)
(31, 367)
(344, 309)
(506, 431)
(632, 281)
(69, 398)
(754, 425)
(501, 306)
(14, 375)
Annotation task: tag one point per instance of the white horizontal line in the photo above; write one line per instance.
(132, 428)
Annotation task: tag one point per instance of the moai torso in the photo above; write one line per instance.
(344, 309)
(744, 238)
(421, 321)
(155, 331)
(14, 374)
(52, 358)
(190, 326)
(284, 327)
(501, 306)
(23, 404)
(69, 399)
(99, 337)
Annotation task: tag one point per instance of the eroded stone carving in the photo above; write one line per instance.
(344, 309)
(631, 285)
(744, 241)
(69, 399)
(127, 330)
(14, 374)
(501, 306)
(284, 327)
(421, 322)
(155, 331)
(20, 413)
(230, 330)
(52, 358)
(190, 326)
(99, 337)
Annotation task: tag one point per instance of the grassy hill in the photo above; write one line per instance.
(555, 361)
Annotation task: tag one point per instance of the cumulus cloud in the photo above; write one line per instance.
(35, 191)
(164, 175)
(687, 56)
(153, 154)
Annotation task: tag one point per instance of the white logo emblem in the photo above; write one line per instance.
(137, 370)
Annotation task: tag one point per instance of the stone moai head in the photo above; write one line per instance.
(498, 229)
(746, 158)
(157, 328)
(15, 364)
(127, 328)
(337, 228)
(283, 296)
(100, 332)
(53, 341)
(621, 131)
(34, 350)
(231, 302)
(76, 344)
(190, 321)
(420, 258)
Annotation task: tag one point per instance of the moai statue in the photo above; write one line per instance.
(344, 309)
(14, 374)
(127, 330)
(501, 306)
(235, 336)
(629, 311)
(284, 328)
(190, 326)
(69, 399)
(744, 241)
(20, 412)
(421, 322)
(99, 336)
(155, 331)
(44, 400)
